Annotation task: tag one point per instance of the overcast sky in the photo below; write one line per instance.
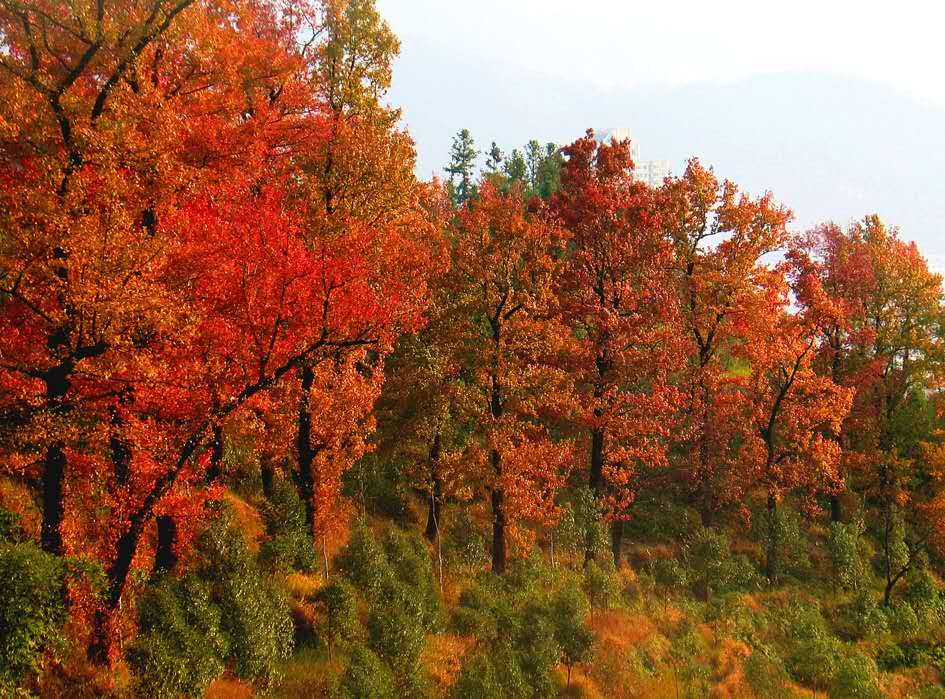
(624, 43)
(837, 107)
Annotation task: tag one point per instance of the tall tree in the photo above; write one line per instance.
(501, 280)
(616, 293)
(461, 168)
(721, 238)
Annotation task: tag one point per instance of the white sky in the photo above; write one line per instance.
(627, 43)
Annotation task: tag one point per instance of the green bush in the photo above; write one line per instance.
(601, 584)
(814, 661)
(490, 675)
(412, 566)
(855, 678)
(661, 520)
(581, 526)
(463, 545)
(254, 613)
(902, 619)
(923, 595)
(180, 648)
(767, 676)
(847, 562)
(339, 604)
(669, 574)
(32, 608)
(10, 530)
(289, 543)
(364, 563)
(397, 636)
(862, 616)
(569, 609)
(366, 677)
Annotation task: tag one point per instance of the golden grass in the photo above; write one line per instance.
(248, 519)
(229, 688)
(443, 656)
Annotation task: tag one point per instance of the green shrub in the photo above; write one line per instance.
(922, 594)
(364, 563)
(767, 676)
(814, 661)
(412, 566)
(32, 608)
(366, 677)
(862, 616)
(289, 544)
(490, 676)
(580, 527)
(339, 604)
(569, 609)
(855, 678)
(902, 619)
(847, 563)
(661, 520)
(254, 613)
(397, 636)
(10, 530)
(463, 545)
(601, 584)
(180, 648)
(669, 574)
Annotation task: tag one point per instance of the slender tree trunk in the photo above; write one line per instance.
(267, 473)
(215, 469)
(305, 451)
(774, 544)
(616, 541)
(835, 509)
(53, 480)
(54, 464)
(498, 493)
(165, 558)
(595, 481)
(498, 525)
(436, 496)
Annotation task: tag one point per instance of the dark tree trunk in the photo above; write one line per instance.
(616, 541)
(215, 469)
(836, 512)
(53, 480)
(498, 494)
(54, 463)
(165, 559)
(120, 449)
(434, 506)
(498, 526)
(596, 478)
(267, 473)
(772, 562)
(305, 451)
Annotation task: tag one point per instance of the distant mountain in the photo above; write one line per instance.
(829, 147)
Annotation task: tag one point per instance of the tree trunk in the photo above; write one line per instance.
(435, 503)
(53, 480)
(616, 541)
(595, 481)
(498, 526)
(774, 544)
(267, 473)
(215, 469)
(835, 510)
(54, 463)
(305, 452)
(165, 558)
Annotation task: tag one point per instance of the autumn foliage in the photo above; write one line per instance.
(213, 240)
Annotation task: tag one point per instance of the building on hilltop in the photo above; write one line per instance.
(650, 172)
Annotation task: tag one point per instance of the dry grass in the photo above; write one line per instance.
(248, 519)
(443, 657)
(229, 688)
